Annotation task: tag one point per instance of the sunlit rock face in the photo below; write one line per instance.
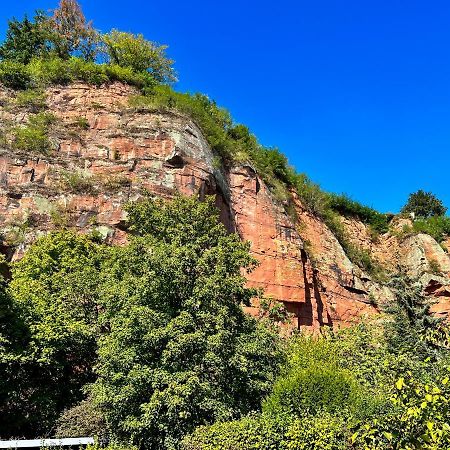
(107, 154)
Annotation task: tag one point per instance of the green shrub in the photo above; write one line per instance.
(249, 433)
(357, 255)
(437, 226)
(47, 72)
(141, 80)
(311, 195)
(347, 207)
(76, 181)
(87, 71)
(420, 419)
(14, 75)
(424, 204)
(83, 419)
(138, 54)
(324, 432)
(34, 137)
(32, 99)
(314, 389)
(81, 122)
(57, 71)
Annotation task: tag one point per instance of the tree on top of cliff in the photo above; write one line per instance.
(67, 36)
(424, 204)
(135, 52)
(25, 39)
(70, 32)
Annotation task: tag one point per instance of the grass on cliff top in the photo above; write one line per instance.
(43, 72)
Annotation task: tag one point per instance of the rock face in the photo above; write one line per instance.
(106, 154)
(417, 255)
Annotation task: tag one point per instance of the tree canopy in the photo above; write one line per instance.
(66, 34)
(424, 204)
(180, 351)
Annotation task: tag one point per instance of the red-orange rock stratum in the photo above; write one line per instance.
(119, 152)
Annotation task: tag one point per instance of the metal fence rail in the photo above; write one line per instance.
(30, 443)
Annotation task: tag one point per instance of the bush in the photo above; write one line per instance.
(126, 75)
(345, 206)
(311, 195)
(87, 71)
(32, 99)
(82, 123)
(14, 75)
(138, 54)
(43, 72)
(83, 419)
(77, 181)
(315, 389)
(51, 71)
(420, 420)
(437, 227)
(323, 432)
(249, 433)
(34, 137)
(357, 255)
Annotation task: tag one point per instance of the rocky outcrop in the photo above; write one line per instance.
(417, 255)
(106, 154)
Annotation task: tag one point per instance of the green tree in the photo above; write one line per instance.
(13, 336)
(180, 351)
(25, 39)
(411, 318)
(135, 52)
(424, 204)
(70, 33)
(54, 293)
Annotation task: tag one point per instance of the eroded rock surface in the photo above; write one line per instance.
(106, 154)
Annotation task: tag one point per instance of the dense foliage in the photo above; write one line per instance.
(164, 314)
(53, 297)
(436, 226)
(180, 351)
(64, 47)
(350, 208)
(25, 39)
(140, 55)
(348, 390)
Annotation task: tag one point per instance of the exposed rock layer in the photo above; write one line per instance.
(95, 169)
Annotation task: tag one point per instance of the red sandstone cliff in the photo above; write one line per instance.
(95, 169)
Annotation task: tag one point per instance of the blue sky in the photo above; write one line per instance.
(355, 93)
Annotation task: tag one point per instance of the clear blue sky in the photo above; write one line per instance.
(355, 93)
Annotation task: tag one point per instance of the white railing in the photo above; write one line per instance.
(30, 443)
